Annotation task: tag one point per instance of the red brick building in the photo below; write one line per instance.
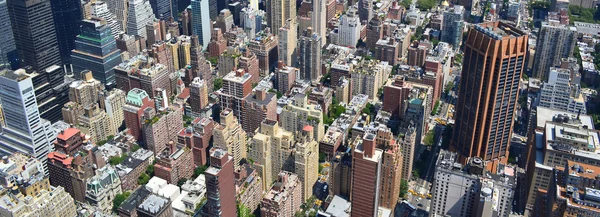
(174, 163)
(136, 102)
(394, 96)
(249, 62)
(258, 106)
(197, 138)
(69, 141)
(217, 43)
(220, 185)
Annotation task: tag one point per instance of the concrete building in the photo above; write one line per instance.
(452, 27)
(102, 188)
(374, 32)
(306, 163)
(284, 197)
(197, 137)
(264, 46)
(162, 9)
(146, 73)
(113, 103)
(200, 66)
(23, 174)
(366, 176)
(224, 20)
(368, 77)
(561, 94)
(554, 42)
(132, 167)
(492, 140)
(139, 14)
(236, 86)
(220, 185)
(248, 185)
(294, 117)
(387, 50)
(309, 52)
(136, 103)
(417, 53)
(173, 163)
(392, 172)
(69, 172)
(470, 190)
(120, 10)
(320, 18)
(349, 29)
(258, 106)
(198, 95)
(278, 13)
(270, 149)
(249, 62)
(25, 131)
(201, 24)
(51, 201)
(160, 127)
(229, 135)
(155, 206)
(286, 77)
(288, 40)
(10, 55)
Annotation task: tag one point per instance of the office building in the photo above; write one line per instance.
(35, 35)
(113, 102)
(96, 50)
(103, 188)
(224, 21)
(349, 29)
(309, 55)
(139, 15)
(67, 15)
(288, 40)
(220, 185)
(561, 94)
(270, 149)
(249, 62)
(8, 49)
(252, 21)
(452, 27)
(217, 44)
(470, 190)
(279, 12)
(162, 9)
(100, 9)
(487, 134)
(366, 176)
(392, 172)
(295, 116)
(306, 163)
(319, 18)
(554, 42)
(284, 197)
(201, 21)
(120, 10)
(229, 136)
(24, 131)
(258, 106)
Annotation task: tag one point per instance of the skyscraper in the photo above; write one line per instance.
(278, 12)
(119, 9)
(349, 29)
(201, 21)
(162, 9)
(220, 185)
(96, 50)
(366, 172)
(489, 89)
(554, 43)
(139, 14)
(288, 40)
(24, 131)
(365, 10)
(309, 55)
(34, 32)
(7, 47)
(100, 9)
(452, 28)
(319, 18)
(67, 15)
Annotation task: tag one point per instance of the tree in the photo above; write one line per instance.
(119, 199)
(243, 211)
(114, 160)
(426, 4)
(403, 188)
(135, 148)
(150, 170)
(143, 179)
(218, 84)
(181, 181)
(406, 3)
(199, 170)
(416, 173)
(429, 138)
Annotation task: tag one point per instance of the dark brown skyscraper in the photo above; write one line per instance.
(489, 88)
(220, 185)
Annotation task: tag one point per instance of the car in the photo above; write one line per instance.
(420, 205)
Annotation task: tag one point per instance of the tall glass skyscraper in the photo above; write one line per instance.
(9, 51)
(96, 50)
(201, 21)
(67, 15)
(162, 9)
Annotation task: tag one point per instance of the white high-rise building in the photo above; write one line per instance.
(201, 21)
(349, 29)
(24, 130)
(251, 21)
(319, 18)
(139, 14)
(288, 36)
(119, 9)
(100, 9)
(561, 94)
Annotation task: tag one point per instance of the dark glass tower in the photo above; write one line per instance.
(96, 50)
(162, 9)
(9, 51)
(494, 57)
(67, 17)
(35, 36)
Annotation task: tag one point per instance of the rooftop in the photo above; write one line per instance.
(153, 204)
